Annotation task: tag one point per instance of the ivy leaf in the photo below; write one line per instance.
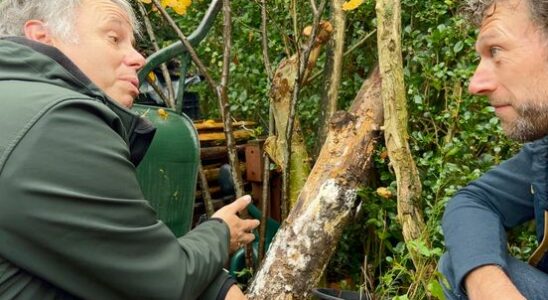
(458, 47)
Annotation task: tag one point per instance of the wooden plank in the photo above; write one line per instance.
(216, 125)
(218, 138)
(217, 152)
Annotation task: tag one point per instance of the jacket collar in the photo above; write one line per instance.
(56, 68)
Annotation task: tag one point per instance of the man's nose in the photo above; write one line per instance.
(134, 59)
(483, 81)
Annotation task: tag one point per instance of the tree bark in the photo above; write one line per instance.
(303, 245)
(395, 124)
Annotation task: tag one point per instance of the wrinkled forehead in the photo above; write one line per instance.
(104, 11)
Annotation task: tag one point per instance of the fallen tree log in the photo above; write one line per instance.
(303, 245)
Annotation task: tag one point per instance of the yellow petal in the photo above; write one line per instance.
(163, 114)
(181, 6)
(166, 3)
(384, 192)
(351, 4)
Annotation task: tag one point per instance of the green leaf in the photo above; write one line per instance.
(420, 247)
(458, 47)
(435, 288)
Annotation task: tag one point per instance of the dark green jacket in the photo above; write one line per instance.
(73, 220)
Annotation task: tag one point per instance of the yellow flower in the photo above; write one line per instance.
(166, 3)
(351, 4)
(163, 114)
(181, 6)
(152, 76)
(384, 192)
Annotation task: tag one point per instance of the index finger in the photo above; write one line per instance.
(240, 204)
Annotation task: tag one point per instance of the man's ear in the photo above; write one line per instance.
(37, 31)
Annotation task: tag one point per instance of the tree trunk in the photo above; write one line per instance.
(395, 124)
(301, 250)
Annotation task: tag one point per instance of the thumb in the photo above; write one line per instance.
(240, 203)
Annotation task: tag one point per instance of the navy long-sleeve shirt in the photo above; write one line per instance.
(476, 219)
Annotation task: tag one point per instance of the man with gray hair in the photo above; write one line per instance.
(73, 221)
(513, 74)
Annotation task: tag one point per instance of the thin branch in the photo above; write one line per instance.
(227, 120)
(206, 195)
(224, 103)
(360, 42)
(314, 7)
(297, 38)
(157, 89)
(148, 25)
(199, 64)
(264, 33)
(350, 50)
(266, 190)
(266, 167)
(220, 91)
(332, 71)
(303, 62)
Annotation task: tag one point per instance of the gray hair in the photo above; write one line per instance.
(476, 10)
(58, 15)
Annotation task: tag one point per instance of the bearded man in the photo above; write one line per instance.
(513, 74)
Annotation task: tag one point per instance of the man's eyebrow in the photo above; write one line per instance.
(489, 36)
(119, 22)
(485, 38)
(113, 19)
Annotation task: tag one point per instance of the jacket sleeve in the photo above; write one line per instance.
(75, 216)
(476, 219)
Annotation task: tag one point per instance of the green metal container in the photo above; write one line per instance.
(168, 172)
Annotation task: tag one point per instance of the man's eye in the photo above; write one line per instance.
(493, 51)
(113, 39)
